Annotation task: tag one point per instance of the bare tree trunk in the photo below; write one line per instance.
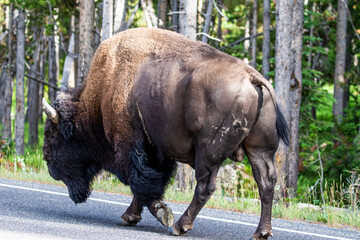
(266, 40)
(132, 16)
(247, 36)
(77, 48)
(107, 20)
(3, 78)
(207, 20)
(86, 38)
(339, 81)
(201, 7)
(98, 24)
(188, 20)
(52, 68)
(185, 177)
(9, 84)
(284, 9)
(254, 31)
(120, 14)
(4, 14)
(42, 72)
(149, 14)
(33, 92)
(162, 16)
(219, 31)
(295, 96)
(175, 16)
(20, 72)
(57, 54)
(68, 76)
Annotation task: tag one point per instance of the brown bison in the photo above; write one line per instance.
(153, 98)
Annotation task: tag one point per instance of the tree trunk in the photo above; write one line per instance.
(67, 79)
(9, 83)
(77, 49)
(284, 9)
(132, 16)
(295, 96)
(98, 24)
(254, 31)
(201, 7)
(33, 92)
(339, 81)
(68, 76)
(20, 72)
(247, 35)
(52, 68)
(149, 14)
(107, 20)
(57, 55)
(207, 20)
(120, 14)
(3, 78)
(175, 16)
(266, 40)
(86, 38)
(42, 72)
(188, 20)
(219, 31)
(162, 13)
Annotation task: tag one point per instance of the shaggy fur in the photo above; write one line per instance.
(154, 97)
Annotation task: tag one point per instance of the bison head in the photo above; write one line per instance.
(64, 152)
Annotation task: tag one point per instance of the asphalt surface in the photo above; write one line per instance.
(41, 211)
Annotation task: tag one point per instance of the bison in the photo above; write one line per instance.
(153, 98)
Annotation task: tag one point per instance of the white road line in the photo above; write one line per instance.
(175, 212)
(62, 194)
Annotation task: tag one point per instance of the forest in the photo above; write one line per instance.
(308, 50)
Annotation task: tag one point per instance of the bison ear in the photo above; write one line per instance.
(66, 128)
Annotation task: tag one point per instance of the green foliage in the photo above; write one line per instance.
(338, 143)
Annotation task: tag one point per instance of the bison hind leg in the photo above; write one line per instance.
(148, 178)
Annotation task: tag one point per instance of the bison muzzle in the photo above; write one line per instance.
(153, 98)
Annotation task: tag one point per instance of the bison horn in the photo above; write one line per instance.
(50, 111)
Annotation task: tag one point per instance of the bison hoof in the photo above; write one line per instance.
(177, 230)
(262, 235)
(130, 219)
(164, 215)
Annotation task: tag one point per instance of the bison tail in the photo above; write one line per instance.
(282, 127)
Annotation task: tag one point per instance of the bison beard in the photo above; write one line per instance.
(153, 98)
(80, 188)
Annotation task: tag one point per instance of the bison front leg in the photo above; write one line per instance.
(265, 176)
(162, 212)
(156, 207)
(205, 187)
(148, 178)
(133, 214)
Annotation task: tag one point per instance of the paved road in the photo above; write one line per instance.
(40, 211)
